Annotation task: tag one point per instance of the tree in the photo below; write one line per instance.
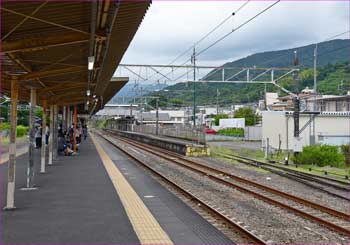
(250, 117)
(218, 117)
(176, 102)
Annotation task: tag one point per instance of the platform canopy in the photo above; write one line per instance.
(46, 45)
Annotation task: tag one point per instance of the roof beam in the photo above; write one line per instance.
(51, 73)
(38, 43)
(43, 21)
(61, 87)
(23, 20)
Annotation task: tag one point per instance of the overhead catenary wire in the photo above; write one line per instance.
(324, 40)
(203, 38)
(236, 29)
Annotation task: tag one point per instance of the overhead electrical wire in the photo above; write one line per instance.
(324, 40)
(236, 29)
(203, 38)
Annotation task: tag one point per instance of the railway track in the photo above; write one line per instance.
(335, 183)
(325, 216)
(317, 182)
(207, 209)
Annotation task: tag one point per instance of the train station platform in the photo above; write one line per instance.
(184, 147)
(99, 197)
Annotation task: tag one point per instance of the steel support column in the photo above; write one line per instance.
(55, 132)
(68, 117)
(75, 129)
(64, 119)
(43, 139)
(31, 160)
(10, 199)
(51, 136)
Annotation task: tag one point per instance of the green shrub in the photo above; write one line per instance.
(21, 130)
(237, 132)
(346, 152)
(101, 123)
(320, 155)
(218, 117)
(5, 126)
(248, 113)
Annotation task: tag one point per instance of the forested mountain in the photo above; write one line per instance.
(333, 75)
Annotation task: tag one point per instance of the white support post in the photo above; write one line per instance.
(54, 133)
(64, 119)
(31, 160)
(43, 139)
(51, 136)
(10, 199)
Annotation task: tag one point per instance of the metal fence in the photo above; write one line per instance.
(196, 136)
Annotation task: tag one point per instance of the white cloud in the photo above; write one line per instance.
(169, 28)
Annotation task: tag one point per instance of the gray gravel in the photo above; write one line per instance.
(273, 224)
(278, 182)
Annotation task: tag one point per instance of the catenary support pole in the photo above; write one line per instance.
(10, 199)
(157, 116)
(51, 136)
(194, 86)
(31, 162)
(43, 139)
(75, 129)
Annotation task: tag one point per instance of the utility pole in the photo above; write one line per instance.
(296, 102)
(194, 86)
(315, 76)
(312, 124)
(141, 109)
(217, 101)
(157, 115)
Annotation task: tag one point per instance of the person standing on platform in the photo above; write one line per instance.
(38, 137)
(85, 132)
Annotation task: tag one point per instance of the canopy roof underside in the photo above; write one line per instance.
(46, 45)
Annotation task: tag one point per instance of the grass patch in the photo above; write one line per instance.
(217, 152)
(259, 155)
(320, 155)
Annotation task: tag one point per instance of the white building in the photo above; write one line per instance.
(118, 110)
(330, 128)
(175, 116)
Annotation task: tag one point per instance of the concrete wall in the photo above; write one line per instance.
(253, 133)
(280, 125)
(171, 145)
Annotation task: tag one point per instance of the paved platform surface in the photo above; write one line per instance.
(77, 203)
(174, 140)
(180, 222)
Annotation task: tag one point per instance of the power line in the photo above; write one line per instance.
(204, 37)
(239, 27)
(340, 34)
(325, 40)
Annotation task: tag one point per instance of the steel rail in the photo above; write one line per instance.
(295, 177)
(295, 171)
(316, 206)
(244, 232)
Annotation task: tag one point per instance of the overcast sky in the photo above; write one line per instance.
(171, 27)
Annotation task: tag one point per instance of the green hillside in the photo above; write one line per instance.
(333, 76)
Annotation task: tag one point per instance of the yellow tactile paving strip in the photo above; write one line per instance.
(145, 225)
